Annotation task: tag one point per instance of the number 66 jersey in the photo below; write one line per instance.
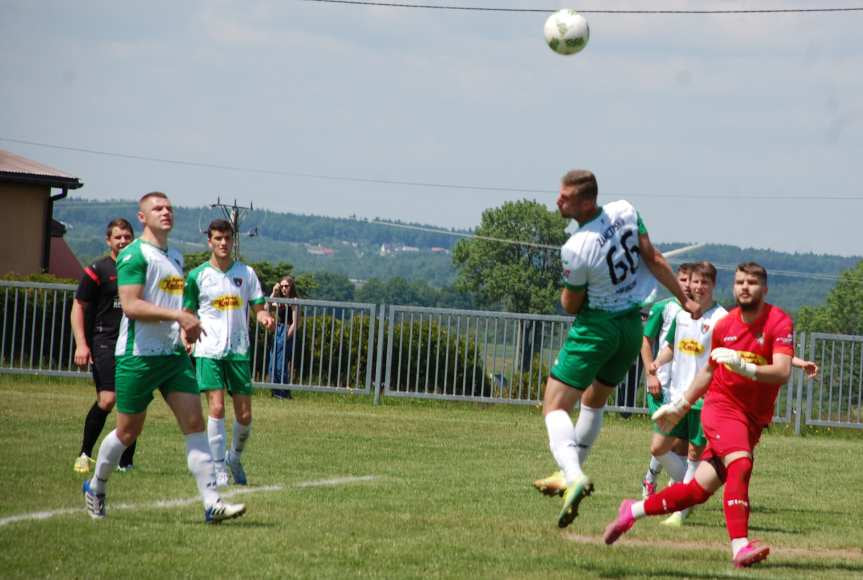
(603, 258)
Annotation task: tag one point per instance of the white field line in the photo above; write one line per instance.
(815, 552)
(169, 503)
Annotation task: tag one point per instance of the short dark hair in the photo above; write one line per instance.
(754, 269)
(705, 269)
(118, 223)
(584, 182)
(684, 268)
(147, 196)
(221, 226)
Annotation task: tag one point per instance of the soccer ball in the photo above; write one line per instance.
(566, 32)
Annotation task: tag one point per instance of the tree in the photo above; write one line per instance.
(842, 311)
(332, 286)
(518, 278)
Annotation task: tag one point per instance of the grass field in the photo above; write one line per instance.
(438, 490)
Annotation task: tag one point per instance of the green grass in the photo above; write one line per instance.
(452, 498)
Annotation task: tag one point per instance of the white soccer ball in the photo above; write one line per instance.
(566, 32)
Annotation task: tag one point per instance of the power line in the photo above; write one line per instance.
(423, 184)
(594, 11)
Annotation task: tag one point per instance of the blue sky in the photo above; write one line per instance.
(685, 116)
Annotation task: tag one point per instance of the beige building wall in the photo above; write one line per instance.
(22, 227)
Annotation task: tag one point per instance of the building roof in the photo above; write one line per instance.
(19, 169)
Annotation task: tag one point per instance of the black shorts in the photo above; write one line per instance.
(103, 367)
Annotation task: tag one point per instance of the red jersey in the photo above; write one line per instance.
(772, 333)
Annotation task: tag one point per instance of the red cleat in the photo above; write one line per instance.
(622, 524)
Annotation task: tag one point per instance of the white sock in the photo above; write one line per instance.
(218, 441)
(200, 463)
(110, 452)
(241, 435)
(637, 510)
(674, 465)
(587, 429)
(691, 466)
(738, 544)
(653, 470)
(561, 440)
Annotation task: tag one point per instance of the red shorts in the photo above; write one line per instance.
(727, 429)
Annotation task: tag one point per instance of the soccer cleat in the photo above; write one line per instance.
(221, 478)
(675, 520)
(622, 524)
(221, 511)
(572, 498)
(552, 485)
(750, 554)
(94, 502)
(125, 468)
(236, 467)
(648, 488)
(82, 464)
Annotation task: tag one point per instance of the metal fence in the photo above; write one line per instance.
(406, 351)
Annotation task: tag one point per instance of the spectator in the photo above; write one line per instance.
(287, 318)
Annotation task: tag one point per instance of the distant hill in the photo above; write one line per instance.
(354, 248)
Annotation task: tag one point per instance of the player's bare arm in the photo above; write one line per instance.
(83, 356)
(664, 357)
(136, 308)
(658, 266)
(264, 318)
(653, 384)
(572, 300)
(809, 367)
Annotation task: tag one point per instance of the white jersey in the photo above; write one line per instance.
(691, 341)
(160, 274)
(656, 328)
(221, 301)
(603, 257)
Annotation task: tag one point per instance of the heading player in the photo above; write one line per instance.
(750, 361)
(150, 356)
(607, 267)
(220, 292)
(95, 320)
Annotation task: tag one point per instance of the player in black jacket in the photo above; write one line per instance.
(96, 316)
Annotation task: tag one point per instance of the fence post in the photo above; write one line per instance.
(798, 407)
(379, 355)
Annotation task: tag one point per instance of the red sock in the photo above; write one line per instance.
(736, 498)
(675, 498)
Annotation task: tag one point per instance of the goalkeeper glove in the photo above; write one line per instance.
(731, 359)
(670, 414)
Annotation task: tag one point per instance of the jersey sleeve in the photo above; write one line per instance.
(654, 321)
(642, 229)
(783, 336)
(256, 295)
(88, 288)
(669, 336)
(191, 291)
(131, 267)
(574, 270)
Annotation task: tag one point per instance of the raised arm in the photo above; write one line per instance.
(658, 266)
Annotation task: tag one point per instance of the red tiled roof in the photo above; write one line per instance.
(22, 170)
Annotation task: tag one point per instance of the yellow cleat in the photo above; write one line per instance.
(82, 464)
(573, 496)
(675, 520)
(552, 485)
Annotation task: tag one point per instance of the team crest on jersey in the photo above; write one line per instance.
(172, 285)
(690, 346)
(705, 328)
(760, 339)
(226, 302)
(238, 282)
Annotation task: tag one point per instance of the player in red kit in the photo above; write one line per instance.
(750, 360)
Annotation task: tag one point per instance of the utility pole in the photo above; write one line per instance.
(234, 213)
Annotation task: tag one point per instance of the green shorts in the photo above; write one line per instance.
(233, 375)
(689, 427)
(138, 376)
(598, 347)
